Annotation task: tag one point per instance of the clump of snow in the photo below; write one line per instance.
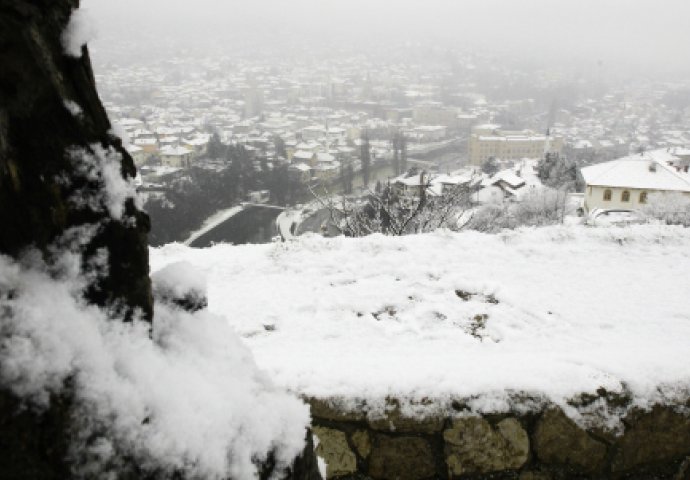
(191, 399)
(117, 130)
(179, 279)
(181, 284)
(73, 108)
(104, 167)
(79, 31)
(549, 313)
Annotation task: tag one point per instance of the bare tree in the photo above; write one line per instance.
(543, 206)
(393, 212)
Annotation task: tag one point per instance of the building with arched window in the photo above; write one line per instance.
(626, 183)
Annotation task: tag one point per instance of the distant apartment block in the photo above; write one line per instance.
(489, 140)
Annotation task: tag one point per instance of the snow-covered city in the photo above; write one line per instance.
(365, 240)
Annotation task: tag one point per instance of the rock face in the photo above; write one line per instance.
(38, 179)
(49, 109)
(473, 445)
(38, 184)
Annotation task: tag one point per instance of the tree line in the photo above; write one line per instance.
(199, 192)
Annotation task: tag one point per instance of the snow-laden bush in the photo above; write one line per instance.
(672, 208)
(187, 398)
(539, 207)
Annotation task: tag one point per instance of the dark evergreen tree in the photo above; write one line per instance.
(396, 153)
(365, 157)
(215, 148)
(349, 175)
(403, 153)
(279, 145)
(558, 171)
(490, 166)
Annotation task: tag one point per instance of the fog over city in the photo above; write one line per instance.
(297, 87)
(644, 37)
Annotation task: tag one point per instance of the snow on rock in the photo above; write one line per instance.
(79, 31)
(191, 399)
(103, 166)
(118, 131)
(182, 284)
(73, 108)
(552, 312)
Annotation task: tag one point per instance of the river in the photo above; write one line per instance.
(254, 224)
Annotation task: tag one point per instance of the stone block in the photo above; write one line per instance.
(559, 440)
(474, 446)
(401, 458)
(362, 443)
(335, 451)
(661, 435)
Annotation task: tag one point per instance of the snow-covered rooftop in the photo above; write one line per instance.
(175, 151)
(554, 312)
(649, 171)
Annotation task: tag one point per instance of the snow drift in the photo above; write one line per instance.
(189, 399)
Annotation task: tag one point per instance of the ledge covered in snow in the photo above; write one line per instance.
(552, 312)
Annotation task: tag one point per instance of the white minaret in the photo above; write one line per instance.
(547, 142)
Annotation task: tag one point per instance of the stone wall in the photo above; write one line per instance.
(546, 445)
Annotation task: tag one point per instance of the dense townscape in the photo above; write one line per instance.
(209, 133)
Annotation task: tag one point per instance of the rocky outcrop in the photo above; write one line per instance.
(49, 106)
(545, 445)
(60, 168)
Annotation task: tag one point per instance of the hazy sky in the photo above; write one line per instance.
(644, 34)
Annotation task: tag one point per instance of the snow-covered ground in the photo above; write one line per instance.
(553, 312)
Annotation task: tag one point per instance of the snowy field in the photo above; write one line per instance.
(552, 312)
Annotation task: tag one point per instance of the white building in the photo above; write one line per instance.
(176, 156)
(626, 183)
